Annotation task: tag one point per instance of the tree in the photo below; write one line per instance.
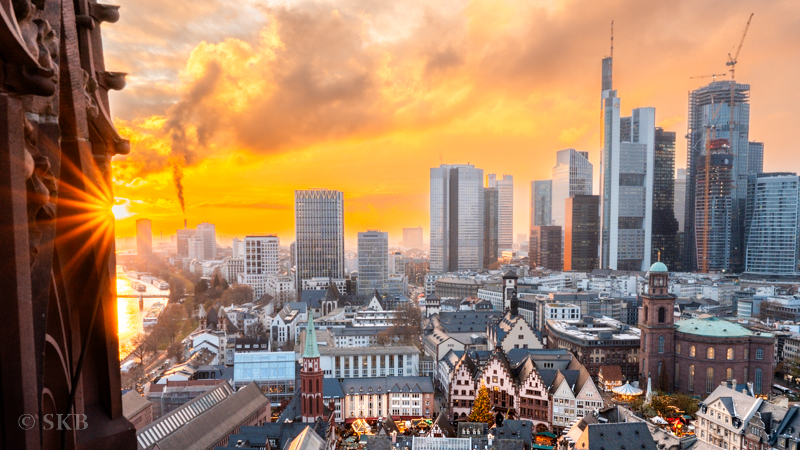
(215, 281)
(175, 350)
(140, 347)
(176, 290)
(200, 287)
(237, 294)
(482, 408)
(170, 324)
(224, 284)
(407, 324)
(686, 404)
(257, 330)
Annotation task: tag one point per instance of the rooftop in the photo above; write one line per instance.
(715, 327)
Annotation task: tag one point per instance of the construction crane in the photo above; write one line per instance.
(713, 76)
(732, 61)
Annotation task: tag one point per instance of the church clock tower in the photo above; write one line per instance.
(311, 376)
(657, 325)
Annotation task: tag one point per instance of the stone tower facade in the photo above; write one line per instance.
(509, 288)
(311, 377)
(657, 324)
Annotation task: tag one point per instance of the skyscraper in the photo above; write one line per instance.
(772, 224)
(541, 202)
(680, 200)
(572, 175)
(182, 239)
(373, 262)
(628, 176)
(710, 118)
(755, 158)
(582, 233)
(545, 247)
(412, 237)
(505, 211)
(610, 138)
(319, 234)
(456, 218)
(261, 258)
(665, 225)
(144, 238)
(490, 225)
(714, 208)
(208, 232)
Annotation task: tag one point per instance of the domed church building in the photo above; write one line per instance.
(694, 356)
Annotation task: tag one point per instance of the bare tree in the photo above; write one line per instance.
(170, 323)
(141, 347)
(407, 324)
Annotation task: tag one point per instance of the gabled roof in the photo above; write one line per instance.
(510, 274)
(515, 429)
(629, 435)
(472, 429)
(212, 317)
(307, 440)
(468, 363)
(387, 426)
(444, 424)
(331, 388)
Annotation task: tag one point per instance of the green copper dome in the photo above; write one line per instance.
(659, 267)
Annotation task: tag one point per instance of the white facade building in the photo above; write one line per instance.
(196, 246)
(208, 232)
(231, 268)
(237, 248)
(561, 311)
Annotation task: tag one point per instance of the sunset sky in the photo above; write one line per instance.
(255, 99)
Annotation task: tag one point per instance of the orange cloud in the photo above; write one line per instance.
(365, 96)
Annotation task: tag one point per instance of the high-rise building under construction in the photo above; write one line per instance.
(710, 117)
(714, 208)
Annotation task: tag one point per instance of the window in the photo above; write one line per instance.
(745, 376)
(759, 353)
(678, 349)
(730, 354)
(691, 377)
(746, 353)
(710, 353)
(662, 315)
(709, 380)
(692, 351)
(729, 374)
(677, 375)
(661, 344)
(757, 380)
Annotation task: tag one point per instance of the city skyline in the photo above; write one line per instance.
(526, 117)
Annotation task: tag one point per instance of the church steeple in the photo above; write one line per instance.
(311, 376)
(312, 348)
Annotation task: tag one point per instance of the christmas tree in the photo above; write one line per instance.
(482, 409)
